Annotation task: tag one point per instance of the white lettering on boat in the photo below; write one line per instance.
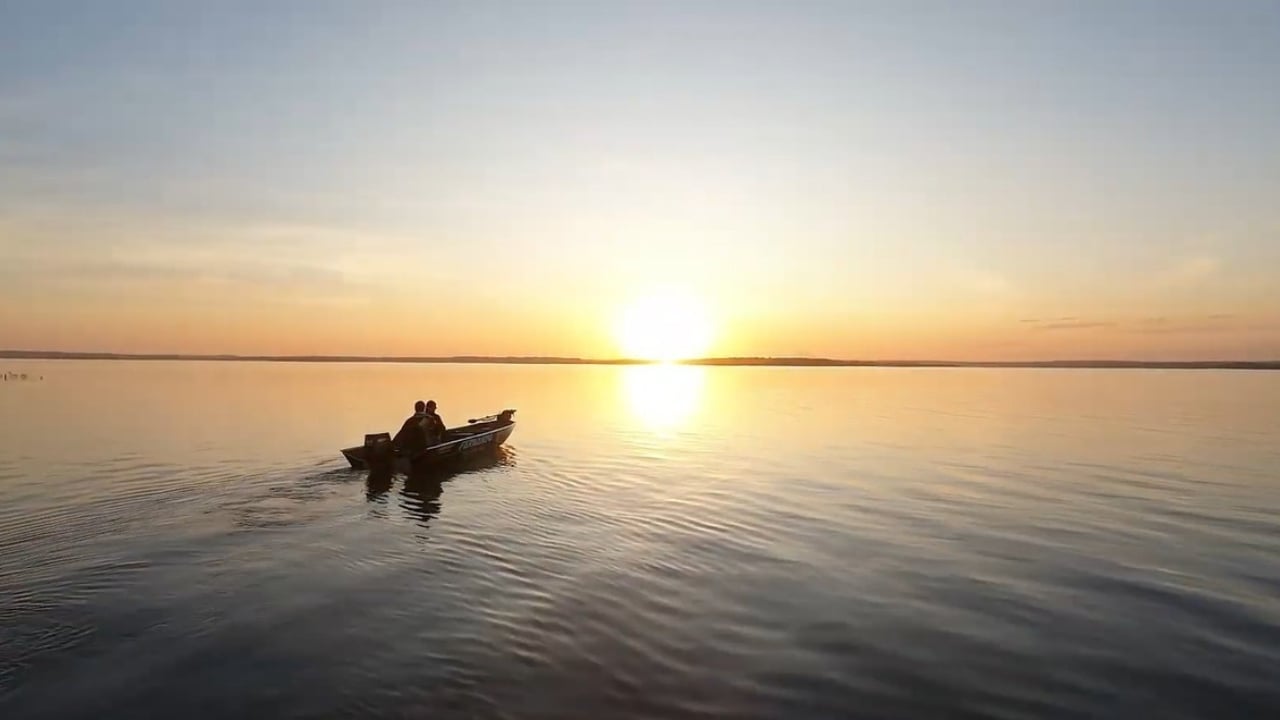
(473, 442)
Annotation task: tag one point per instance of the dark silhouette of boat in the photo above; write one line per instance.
(480, 435)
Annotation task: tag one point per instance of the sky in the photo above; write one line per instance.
(873, 180)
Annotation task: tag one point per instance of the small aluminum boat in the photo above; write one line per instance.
(477, 436)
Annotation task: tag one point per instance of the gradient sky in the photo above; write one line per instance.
(976, 180)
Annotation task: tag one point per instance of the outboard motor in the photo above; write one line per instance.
(379, 454)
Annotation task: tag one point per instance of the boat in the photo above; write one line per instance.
(479, 435)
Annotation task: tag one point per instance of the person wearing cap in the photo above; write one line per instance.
(413, 432)
(433, 427)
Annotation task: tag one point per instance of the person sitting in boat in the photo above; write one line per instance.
(413, 432)
(433, 425)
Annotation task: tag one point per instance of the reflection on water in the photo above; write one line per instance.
(663, 397)
(420, 493)
(420, 499)
(376, 486)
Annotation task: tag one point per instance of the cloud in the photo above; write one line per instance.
(1187, 272)
(1149, 325)
(1193, 324)
(252, 267)
(984, 282)
(1183, 329)
(133, 246)
(1050, 321)
(1066, 322)
(240, 275)
(1074, 325)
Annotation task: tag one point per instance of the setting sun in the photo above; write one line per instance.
(664, 326)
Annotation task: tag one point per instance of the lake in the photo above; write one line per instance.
(183, 539)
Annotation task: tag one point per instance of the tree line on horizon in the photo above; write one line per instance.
(710, 361)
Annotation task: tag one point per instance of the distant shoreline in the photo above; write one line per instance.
(718, 362)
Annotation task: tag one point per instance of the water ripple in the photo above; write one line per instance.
(931, 550)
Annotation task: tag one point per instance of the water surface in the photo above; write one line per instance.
(182, 539)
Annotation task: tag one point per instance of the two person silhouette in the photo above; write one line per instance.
(420, 430)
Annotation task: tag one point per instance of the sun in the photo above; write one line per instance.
(664, 326)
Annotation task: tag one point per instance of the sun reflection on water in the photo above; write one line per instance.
(663, 397)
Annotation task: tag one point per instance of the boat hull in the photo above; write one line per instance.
(377, 454)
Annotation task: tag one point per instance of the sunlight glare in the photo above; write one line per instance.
(664, 326)
(663, 397)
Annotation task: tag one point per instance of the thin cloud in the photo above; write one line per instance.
(984, 282)
(1075, 325)
(1192, 329)
(1049, 321)
(1220, 322)
(246, 272)
(1188, 272)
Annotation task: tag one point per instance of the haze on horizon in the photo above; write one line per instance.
(953, 181)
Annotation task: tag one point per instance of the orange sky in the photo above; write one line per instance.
(854, 181)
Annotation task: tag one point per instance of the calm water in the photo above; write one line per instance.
(182, 539)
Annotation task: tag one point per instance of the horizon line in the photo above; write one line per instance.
(745, 360)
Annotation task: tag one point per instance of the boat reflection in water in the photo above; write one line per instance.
(420, 492)
(664, 397)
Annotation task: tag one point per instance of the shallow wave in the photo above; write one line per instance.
(930, 558)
